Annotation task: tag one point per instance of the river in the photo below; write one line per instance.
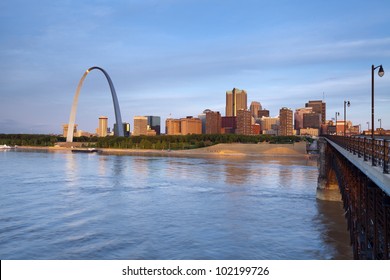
(62, 205)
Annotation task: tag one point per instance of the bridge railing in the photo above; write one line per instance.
(377, 152)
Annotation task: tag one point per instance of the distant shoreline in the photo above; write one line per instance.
(218, 150)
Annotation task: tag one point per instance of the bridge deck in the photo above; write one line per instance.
(375, 173)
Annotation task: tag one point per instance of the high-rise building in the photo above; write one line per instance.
(244, 122)
(140, 125)
(263, 113)
(103, 125)
(190, 125)
(312, 120)
(154, 123)
(236, 99)
(298, 117)
(286, 122)
(319, 107)
(172, 126)
(255, 108)
(213, 122)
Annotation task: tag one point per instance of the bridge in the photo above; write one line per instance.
(356, 170)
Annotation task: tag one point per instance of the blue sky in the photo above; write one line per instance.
(178, 57)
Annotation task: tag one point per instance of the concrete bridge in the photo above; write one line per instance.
(356, 171)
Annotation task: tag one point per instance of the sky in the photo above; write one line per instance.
(176, 58)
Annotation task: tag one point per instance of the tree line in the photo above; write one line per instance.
(159, 142)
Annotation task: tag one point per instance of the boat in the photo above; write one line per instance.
(83, 150)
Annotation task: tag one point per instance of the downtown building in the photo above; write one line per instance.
(244, 122)
(213, 122)
(255, 107)
(286, 122)
(140, 126)
(319, 107)
(183, 126)
(190, 125)
(172, 126)
(236, 99)
(103, 126)
(154, 123)
(298, 117)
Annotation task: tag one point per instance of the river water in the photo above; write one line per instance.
(61, 205)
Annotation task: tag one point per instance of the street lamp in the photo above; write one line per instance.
(368, 126)
(380, 126)
(336, 114)
(381, 72)
(346, 103)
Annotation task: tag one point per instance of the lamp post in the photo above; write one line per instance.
(346, 103)
(381, 72)
(380, 126)
(336, 114)
(368, 126)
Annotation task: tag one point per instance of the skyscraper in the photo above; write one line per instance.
(255, 107)
(154, 123)
(235, 100)
(102, 129)
(140, 125)
(244, 122)
(286, 122)
(319, 107)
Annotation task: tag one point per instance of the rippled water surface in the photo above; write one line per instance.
(88, 206)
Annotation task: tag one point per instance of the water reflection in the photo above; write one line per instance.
(333, 228)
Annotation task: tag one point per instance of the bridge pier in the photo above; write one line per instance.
(327, 186)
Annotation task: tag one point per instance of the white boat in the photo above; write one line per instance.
(4, 147)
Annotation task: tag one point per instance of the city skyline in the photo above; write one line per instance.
(163, 60)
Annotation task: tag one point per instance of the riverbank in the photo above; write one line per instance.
(219, 150)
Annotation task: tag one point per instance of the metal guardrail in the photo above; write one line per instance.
(377, 152)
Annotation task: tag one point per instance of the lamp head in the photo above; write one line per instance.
(381, 72)
(348, 103)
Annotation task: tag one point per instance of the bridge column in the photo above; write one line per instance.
(327, 187)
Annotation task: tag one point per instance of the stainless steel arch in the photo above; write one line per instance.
(119, 126)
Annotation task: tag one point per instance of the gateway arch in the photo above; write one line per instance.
(119, 127)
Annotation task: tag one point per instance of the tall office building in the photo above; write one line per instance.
(236, 99)
(172, 126)
(312, 120)
(190, 125)
(244, 122)
(213, 122)
(286, 122)
(154, 122)
(298, 117)
(319, 107)
(102, 129)
(140, 125)
(255, 108)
